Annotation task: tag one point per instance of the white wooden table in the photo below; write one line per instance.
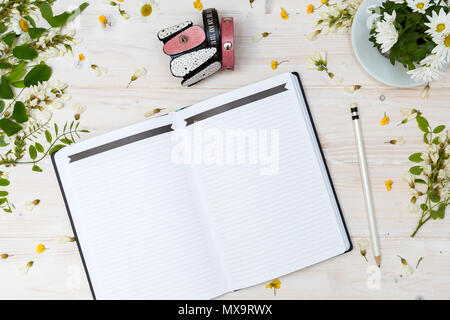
(58, 273)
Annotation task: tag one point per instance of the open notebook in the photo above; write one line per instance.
(156, 218)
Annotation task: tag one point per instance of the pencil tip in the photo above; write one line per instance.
(378, 261)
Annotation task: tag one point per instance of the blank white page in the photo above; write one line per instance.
(270, 225)
(140, 231)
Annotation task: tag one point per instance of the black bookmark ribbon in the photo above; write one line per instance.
(168, 128)
(237, 103)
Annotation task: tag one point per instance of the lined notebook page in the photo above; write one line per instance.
(270, 225)
(139, 228)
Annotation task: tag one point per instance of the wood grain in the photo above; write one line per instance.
(58, 273)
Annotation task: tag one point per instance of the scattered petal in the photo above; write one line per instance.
(24, 269)
(284, 14)
(78, 110)
(385, 120)
(140, 72)
(152, 113)
(399, 140)
(40, 248)
(66, 239)
(275, 64)
(30, 205)
(352, 89)
(418, 262)
(198, 5)
(275, 285)
(425, 92)
(406, 267)
(363, 243)
(388, 185)
(99, 71)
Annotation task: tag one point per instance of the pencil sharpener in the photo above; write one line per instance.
(198, 52)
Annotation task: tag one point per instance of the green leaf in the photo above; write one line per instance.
(56, 148)
(31, 21)
(419, 181)
(66, 141)
(63, 18)
(36, 32)
(17, 72)
(20, 112)
(416, 170)
(9, 127)
(39, 73)
(46, 11)
(425, 138)
(3, 193)
(415, 157)
(435, 140)
(2, 106)
(39, 147)
(2, 28)
(24, 53)
(439, 129)
(424, 207)
(423, 124)
(32, 151)
(36, 168)
(441, 210)
(56, 129)
(434, 214)
(434, 196)
(9, 39)
(5, 65)
(18, 84)
(4, 182)
(48, 136)
(5, 90)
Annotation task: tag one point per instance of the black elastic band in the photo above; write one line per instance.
(212, 30)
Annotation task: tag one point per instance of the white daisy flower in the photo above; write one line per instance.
(439, 24)
(425, 74)
(372, 20)
(19, 25)
(386, 34)
(147, 10)
(434, 61)
(419, 5)
(443, 46)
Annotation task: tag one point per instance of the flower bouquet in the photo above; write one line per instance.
(416, 33)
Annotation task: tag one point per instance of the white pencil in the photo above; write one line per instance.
(366, 184)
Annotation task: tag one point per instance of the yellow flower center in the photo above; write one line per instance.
(440, 27)
(146, 10)
(40, 248)
(24, 25)
(420, 6)
(447, 41)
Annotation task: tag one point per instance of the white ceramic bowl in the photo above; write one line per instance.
(371, 59)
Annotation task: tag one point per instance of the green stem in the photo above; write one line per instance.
(49, 148)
